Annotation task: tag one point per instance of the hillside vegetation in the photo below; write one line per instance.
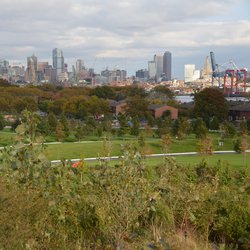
(127, 206)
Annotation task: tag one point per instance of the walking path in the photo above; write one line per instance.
(147, 156)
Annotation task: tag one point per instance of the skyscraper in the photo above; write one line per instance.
(167, 65)
(31, 71)
(159, 66)
(207, 70)
(58, 61)
(151, 70)
(190, 73)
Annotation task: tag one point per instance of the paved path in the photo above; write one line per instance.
(147, 156)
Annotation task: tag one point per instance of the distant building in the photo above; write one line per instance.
(31, 71)
(142, 74)
(159, 66)
(190, 73)
(116, 75)
(207, 70)
(167, 66)
(159, 110)
(58, 61)
(151, 70)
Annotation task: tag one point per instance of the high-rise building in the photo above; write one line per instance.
(79, 65)
(31, 71)
(151, 70)
(190, 73)
(167, 65)
(142, 74)
(58, 61)
(159, 66)
(207, 70)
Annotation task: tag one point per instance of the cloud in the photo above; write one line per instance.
(120, 29)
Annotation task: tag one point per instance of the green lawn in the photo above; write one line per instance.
(153, 146)
(6, 137)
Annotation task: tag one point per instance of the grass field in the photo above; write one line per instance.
(95, 148)
(153, 146)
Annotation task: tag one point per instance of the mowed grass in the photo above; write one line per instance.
(152, 146)
(234, 162)
(6, 137)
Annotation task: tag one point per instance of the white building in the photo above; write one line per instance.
(190, 73)
(151, 70)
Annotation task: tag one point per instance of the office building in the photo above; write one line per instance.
(58, 61)
(190, 73)
(151, 70)
(31, 71)
(158, 59)
(167, 66)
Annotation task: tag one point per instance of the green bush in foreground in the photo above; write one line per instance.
(129, 206)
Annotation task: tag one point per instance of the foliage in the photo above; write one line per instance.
(2, 122)
(205, 145)
(199, 128)
(137, 106)
(241, 143)
(210, 103)
(135, 128)
(214, 123)
(181, 128)
(127, 206)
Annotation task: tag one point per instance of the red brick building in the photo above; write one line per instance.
(118, 107)
(158, 110)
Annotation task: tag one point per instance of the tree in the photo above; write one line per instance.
(135, 128)
(123, 125)
(60, 133)
(163, 92)
(180, 128)
(137, 106)
(214, 123)
(199, 128)
(52, 121)
(2, 122)
(166, 142)
(65, 124)
(210, 103)
(205, 145)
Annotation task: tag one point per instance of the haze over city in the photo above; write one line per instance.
(126, 33)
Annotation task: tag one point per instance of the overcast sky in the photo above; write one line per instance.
(126, 33)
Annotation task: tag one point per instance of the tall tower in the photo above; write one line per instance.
(151, 70)
(58, 61)
(207, 70)
(31, 71)
(167, 65)
(159, 66)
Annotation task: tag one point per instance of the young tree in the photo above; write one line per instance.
(199, 128)
(166, 141)
(52, 121)
(60, 133)
(2, 122)
(123, 125)
(135, 128)
(180, 128)
(205, 145)
(65, 124)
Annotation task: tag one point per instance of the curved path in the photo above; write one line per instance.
(147, 156)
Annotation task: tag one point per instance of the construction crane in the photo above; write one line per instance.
(234, 77)
(217, 74)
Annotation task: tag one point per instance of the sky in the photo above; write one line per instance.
(126, 34)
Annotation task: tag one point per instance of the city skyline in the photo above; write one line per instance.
(103, 36)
